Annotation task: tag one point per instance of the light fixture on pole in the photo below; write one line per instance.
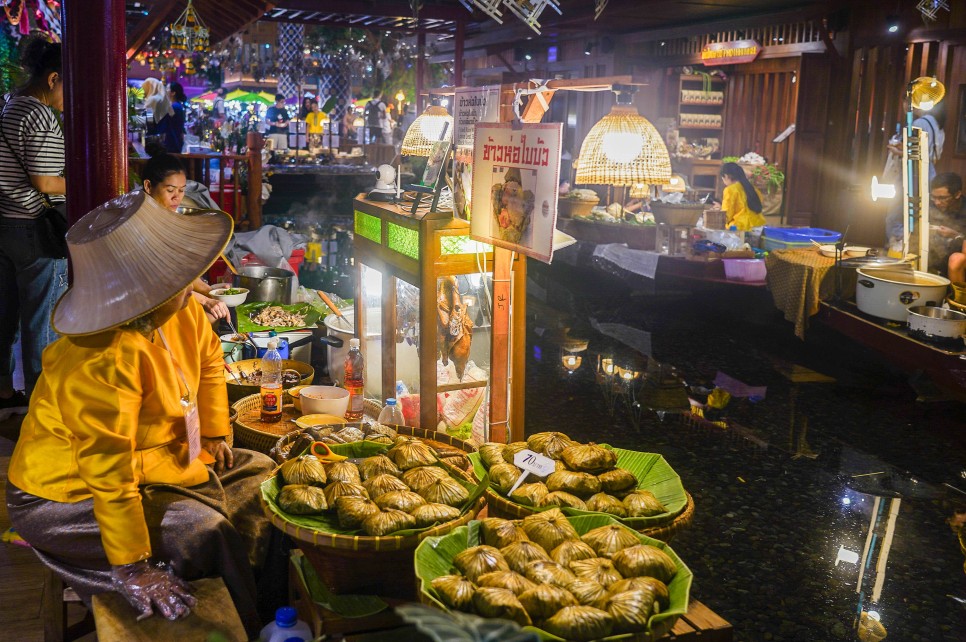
(623, 148)
(923, 94)
(426, 130)
(882, 190)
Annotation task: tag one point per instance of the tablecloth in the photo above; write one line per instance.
(800, 279)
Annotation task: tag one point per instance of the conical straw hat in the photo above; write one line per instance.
(130, 256)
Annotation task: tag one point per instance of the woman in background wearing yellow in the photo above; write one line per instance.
(741, 201)
(315, 121)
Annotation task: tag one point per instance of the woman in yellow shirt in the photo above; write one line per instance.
(741, 201)
(122, 456)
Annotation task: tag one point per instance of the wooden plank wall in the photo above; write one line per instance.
(761, 102)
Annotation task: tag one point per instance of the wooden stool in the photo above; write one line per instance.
(54, 603)
(214, 614)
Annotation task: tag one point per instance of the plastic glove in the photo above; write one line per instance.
(147, 587)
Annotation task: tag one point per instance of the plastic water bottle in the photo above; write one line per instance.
(391, 414)
(286, 627)
(354, 380)
(270, 387)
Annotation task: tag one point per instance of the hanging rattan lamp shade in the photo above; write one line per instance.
(426, 130)
(623, 148)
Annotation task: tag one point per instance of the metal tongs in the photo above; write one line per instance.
(244, 335)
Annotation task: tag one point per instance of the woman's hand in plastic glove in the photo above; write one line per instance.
(149, 587)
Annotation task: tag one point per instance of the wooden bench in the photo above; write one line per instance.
(214, 615)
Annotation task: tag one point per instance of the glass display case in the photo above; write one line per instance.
(425, 302)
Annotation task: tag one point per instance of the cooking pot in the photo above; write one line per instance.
(407, 355)
(273, 285)
(936, 324)
(891, 293)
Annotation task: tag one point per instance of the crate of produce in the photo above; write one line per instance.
(562, 577)
(363, 543)
(639, 489)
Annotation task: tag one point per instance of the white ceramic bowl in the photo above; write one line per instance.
(849, 251)
(231, 300)
(325, 400)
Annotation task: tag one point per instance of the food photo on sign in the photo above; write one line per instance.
(519, 167)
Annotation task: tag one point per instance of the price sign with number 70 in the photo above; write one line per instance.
(531, 462)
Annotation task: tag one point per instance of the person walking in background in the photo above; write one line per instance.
(171, 127)
(375, 117)
(277, 119)
(33, 264)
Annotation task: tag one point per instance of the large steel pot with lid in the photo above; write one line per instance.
(273, 285)
(936, 324)
(890, 293)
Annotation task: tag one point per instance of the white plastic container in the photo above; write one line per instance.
(747, 270)
(286, 627)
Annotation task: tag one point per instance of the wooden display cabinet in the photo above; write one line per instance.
(406, 268)
(701, 116)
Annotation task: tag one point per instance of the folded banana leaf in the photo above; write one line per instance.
(247, 311)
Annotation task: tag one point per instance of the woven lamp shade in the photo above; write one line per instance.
(425, 131)
(623, 148)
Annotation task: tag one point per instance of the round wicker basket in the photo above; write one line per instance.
(571, 207)
(252, 433)
(237, 390)
(499, 506)
(675, 214)
(372, 565)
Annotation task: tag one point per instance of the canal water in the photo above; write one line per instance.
(824, 493)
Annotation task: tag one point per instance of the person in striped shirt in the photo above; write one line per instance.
(33, 272)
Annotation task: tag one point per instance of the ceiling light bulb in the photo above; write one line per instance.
(622, 147)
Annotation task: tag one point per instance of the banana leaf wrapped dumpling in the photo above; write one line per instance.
(455, 591)
(519, 554)
(571, 551)
(409, 454)
(598, 569)
(503, 476)
(580, 623)
(580, 484)
(608, 540)
(344, 471)
(420, 476)
(549, 572)
(512, 449)
(499, 532)
(510, 580)
(604, 503)
(543, 600)
(353, 510)
(549, 529)
(589, 458)
(502, 603)
(551, 444)
(382, 484)
(617, 480)
(387, 521)
(338, 489)
(445, 490)
(300, 499)
(641, 583)
(643, 503)
(429, 514)
(404, 500)
(479, 560)
(378, 465)
(587, 592)
(491, 453)
(306, 470)
(560, 498)
(631, 610)
(529, 494)
(645, 560)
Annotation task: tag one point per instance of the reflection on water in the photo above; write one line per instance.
(821, 506)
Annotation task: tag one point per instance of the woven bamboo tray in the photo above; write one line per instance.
(252, 433)
(359, 564)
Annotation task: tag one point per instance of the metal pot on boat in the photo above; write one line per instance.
(936, 324)
(889, 294)
(273, 285)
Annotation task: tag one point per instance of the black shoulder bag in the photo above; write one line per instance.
(54, 217)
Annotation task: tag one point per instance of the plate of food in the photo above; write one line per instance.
(260, 315)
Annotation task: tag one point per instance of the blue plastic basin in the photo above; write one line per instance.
(801, 234)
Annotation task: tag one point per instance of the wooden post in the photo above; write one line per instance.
(458, 53)
(500, 356)
(95, 103)
(255, 143)
(420, 70)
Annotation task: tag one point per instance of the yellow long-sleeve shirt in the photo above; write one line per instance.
(735, 203)
(315, 121)
(106, 416)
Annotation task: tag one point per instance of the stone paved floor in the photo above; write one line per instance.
(797, 475)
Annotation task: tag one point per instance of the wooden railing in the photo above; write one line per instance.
(198, 167)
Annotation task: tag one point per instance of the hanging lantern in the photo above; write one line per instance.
(188, 32)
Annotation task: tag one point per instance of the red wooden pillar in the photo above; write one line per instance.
(95, 103)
